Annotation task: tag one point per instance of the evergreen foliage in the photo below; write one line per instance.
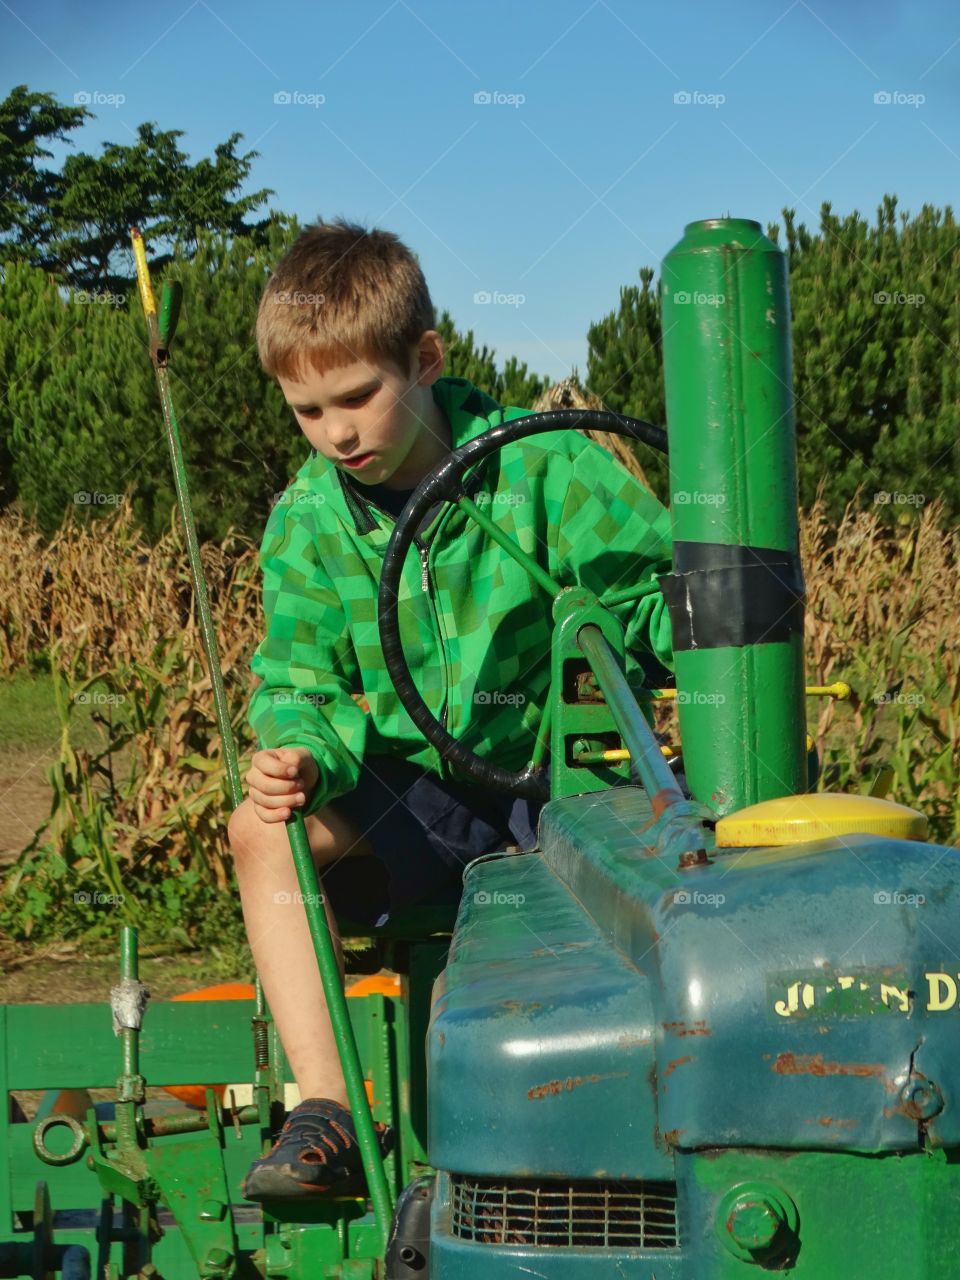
(511, 385)
(28, 190)
(75, 224)
(625, 367)
(79, 412)
(80, 421)
(876, 336)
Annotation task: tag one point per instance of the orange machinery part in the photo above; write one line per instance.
(194, 1095)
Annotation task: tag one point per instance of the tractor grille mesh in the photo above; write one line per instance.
(565, 1214)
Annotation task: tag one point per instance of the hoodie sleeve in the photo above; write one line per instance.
(305, 661)
(611, 534)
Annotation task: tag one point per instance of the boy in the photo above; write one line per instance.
(346, 326)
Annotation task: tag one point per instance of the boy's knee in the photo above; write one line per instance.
(245, 830)
(329, 836)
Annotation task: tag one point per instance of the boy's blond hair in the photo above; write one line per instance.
(339, 294)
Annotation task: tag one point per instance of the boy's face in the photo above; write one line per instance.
(372, 421)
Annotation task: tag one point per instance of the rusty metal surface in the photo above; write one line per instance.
(820, 981)
(541, 1042)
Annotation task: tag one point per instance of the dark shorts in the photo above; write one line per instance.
(423, 832)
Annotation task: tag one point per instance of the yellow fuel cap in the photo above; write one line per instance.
(794, 819)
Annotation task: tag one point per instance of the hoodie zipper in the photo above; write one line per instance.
(425, 587)
(361, 506)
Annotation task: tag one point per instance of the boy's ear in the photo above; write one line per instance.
(430, 355)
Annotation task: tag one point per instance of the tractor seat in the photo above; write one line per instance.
(359, 891)
(412, 923)
(360, 881)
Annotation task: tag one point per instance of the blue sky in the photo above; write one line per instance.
(580, 169)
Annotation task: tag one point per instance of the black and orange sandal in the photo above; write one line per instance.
(316, 1153)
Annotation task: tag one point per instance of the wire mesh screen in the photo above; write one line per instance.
(565, 1214)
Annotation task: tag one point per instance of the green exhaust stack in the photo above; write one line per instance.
(736, 593)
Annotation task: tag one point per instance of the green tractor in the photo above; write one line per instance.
(699, 1031)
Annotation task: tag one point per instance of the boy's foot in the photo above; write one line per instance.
(316, 1152)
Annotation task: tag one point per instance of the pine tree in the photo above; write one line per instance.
(512, 385)
(625, 367)
(876, 340)
(80, 419)
(79, 405)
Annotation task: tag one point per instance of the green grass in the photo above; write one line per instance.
(28, 714)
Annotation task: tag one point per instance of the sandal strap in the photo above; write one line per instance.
(316, 1150)
(318, 1120)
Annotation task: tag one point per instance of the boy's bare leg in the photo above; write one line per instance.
(279, 937)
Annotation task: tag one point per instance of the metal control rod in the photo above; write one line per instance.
(161, 330)
(646, 758)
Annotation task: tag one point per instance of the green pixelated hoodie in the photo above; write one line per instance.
(476, 629)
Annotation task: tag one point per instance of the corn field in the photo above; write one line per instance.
(143, 815)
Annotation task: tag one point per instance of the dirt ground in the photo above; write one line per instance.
(64, 972)
(24, 795)
(67, 974)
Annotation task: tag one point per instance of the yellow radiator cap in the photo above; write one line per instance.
(818, 816)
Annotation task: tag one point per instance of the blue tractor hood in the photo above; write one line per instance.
(601, 1009)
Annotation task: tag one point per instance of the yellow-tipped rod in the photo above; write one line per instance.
(380, 1192)
(143, 275)
(839, 690)
(207, 632)
(613, 755)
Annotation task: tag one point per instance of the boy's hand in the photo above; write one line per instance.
(280, 779)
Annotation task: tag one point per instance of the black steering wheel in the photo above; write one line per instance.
(444, 484)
